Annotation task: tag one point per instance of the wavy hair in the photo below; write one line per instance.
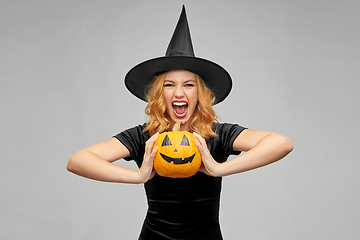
(202, 119)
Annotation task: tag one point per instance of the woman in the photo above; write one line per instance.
(180, 208)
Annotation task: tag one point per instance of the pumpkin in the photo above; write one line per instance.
(177, 155)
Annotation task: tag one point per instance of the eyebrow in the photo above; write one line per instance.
(190, 80)
(186, 81)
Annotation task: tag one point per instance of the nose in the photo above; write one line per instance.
(179, 92)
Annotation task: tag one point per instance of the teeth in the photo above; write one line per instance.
(179, 103)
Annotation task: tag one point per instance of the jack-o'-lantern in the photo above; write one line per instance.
(177, 155)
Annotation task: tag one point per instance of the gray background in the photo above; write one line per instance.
(295, 67)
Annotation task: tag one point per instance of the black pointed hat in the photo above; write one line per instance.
(179, 55)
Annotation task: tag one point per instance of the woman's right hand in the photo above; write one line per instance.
(95, 162)
(147, 171)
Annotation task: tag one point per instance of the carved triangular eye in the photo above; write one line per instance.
(185, 141)
(166, 141)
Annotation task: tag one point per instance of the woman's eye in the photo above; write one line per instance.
(189, 85)
(168, 85)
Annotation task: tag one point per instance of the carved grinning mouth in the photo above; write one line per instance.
(177, 160)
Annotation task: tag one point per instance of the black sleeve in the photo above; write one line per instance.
(134, 140)
(221, 145)
(228, 133)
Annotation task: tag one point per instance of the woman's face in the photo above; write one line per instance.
(181, 96)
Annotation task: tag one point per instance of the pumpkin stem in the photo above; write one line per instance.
(176, 126)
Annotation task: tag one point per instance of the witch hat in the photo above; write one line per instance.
(179, 55)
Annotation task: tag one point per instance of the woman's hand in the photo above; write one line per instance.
(147, 171)
(209, 166)
(261, 148)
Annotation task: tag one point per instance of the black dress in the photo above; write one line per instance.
(182, 208)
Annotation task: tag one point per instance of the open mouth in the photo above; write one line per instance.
(180, 109)
(178, 160)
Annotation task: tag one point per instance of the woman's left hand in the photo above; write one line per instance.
(209, 166)
(261, 148)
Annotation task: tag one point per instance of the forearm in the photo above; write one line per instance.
(270, 149)
(90, 165)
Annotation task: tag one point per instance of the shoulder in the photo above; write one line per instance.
(134, 140)
(136, 131)
(221, 145)
(133, 137)
(226, 129)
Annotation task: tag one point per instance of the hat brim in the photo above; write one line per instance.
(216, 78)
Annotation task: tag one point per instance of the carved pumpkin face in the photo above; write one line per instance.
(178, 155)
